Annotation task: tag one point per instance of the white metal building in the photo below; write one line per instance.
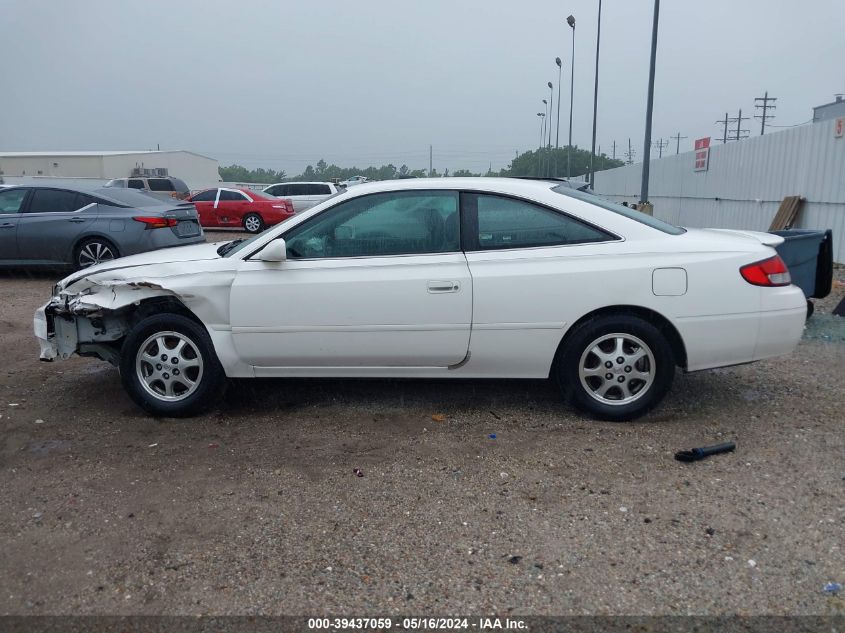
(745, 181)
(196, 170)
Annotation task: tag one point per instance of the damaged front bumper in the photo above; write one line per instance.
(46, 334)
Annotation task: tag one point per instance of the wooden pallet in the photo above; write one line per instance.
(787, 213)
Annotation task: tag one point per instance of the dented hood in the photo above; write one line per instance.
(174, 255)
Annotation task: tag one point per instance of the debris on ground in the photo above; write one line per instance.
(358, 472)
(438, 417)
(492, 436)
(153, 445)
(695, 454)
(214, 445)
(832, 588)
(513, 560)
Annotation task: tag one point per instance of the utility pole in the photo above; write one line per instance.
(677, 138)
(740, 133)
(766, 107)
(629, 154)
(614, 150)
(649, 109)
(430, 161)
(724, 123)
(660, 144)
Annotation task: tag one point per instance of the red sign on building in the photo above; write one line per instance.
(702, 153)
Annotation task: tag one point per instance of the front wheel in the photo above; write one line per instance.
(615, 367)
(168, 366)
(253, 223)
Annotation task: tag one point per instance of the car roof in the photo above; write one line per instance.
(493, 185)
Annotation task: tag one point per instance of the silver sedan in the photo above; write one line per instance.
(52, 226)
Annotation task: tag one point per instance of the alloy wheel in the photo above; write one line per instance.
(169, 366)
(617, 369)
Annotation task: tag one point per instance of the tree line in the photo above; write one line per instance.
(542, 161)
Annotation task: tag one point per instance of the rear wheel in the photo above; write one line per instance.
(615, 367)
(169, 367)
(253, 223)
(93, 250)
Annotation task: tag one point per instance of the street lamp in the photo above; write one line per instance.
(571, 22)
(649, 106)
(546, 121)
(542, 120)
(551, 111)
(557, 132)
(595, 98)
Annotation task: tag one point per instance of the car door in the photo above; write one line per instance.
(51, 222)
(11, 203)
(230, 207)
(378, 281)
(204, 202)
(298, 195)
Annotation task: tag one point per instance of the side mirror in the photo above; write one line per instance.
(275, 251)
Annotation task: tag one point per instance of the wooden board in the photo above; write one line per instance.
(787, 213)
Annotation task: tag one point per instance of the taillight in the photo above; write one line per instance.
(155, 223)
(769, 272)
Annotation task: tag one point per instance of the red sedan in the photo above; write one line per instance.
(250, 209)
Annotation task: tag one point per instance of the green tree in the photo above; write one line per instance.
(553, 162)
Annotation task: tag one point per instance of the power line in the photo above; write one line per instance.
(629, 155)
(765, 107)
(660, 144)
(738, 119)
(724, 125)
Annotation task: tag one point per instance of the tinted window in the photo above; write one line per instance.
(116, 183)
(510, 223)
(160, 184)
(135, 183)
(178, 184)
(642, 218)
(231, 196)
(205, 196)
(401, 223)
(298, 190)
(53, 201)
(278, 190)
(319, 190)
(11, 200)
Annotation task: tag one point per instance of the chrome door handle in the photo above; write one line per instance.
(7, 225)
(443, 286)
(76, 219)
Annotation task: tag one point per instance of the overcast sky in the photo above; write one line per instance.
(281, 84)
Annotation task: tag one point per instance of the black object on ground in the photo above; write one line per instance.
(840, 309)
(705, 451)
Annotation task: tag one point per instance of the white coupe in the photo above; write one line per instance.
(445, 278)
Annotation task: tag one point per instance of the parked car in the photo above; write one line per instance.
(354, 180)
(437, 278)
(252, 210)
(168, 185)
(76, 227)
(303, 195)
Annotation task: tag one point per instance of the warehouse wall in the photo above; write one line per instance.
(197, 171)
(746, 182)
(51, 166)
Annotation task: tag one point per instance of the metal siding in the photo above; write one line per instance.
(749, 178)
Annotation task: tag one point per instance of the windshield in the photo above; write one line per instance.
(632, 214)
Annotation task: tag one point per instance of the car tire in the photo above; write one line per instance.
(253, 223)
(161, 386)
(623, 390)
(92, 251)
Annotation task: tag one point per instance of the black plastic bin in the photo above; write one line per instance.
(809, 256)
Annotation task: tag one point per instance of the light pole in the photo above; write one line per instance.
(649, 106)
(546, 121)
(557, 132)
(571, 22)
(595, 97)
(551, 109)
(542, 116)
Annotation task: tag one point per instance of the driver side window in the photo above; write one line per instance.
(398, 223)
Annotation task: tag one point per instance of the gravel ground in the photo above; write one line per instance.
(254, 508)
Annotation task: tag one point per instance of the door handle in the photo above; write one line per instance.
(76, 220)
(443, 286)
(7, 225)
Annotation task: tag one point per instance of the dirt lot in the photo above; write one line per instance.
(254, 508)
